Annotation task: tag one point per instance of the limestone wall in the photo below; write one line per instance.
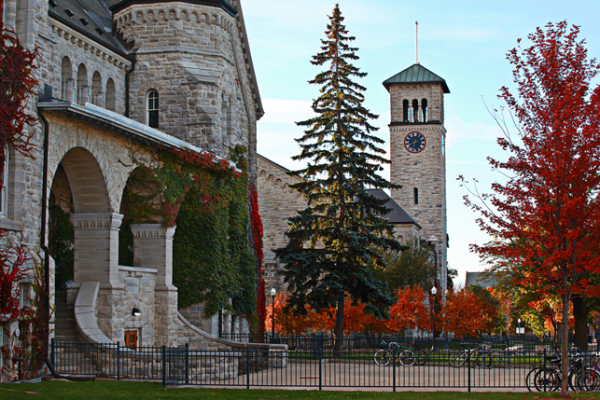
(277, 202)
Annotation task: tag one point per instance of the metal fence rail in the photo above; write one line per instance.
(471, 366)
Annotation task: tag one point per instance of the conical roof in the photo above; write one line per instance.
(416, 73)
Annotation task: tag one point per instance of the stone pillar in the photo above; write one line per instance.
(153, 248)
(96, 259)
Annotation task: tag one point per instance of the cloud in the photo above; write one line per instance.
(286, 111)
(461, 131)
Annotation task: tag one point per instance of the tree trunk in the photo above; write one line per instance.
(339, 327)
(564, 389)
(580, 312)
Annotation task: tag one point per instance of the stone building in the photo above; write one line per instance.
(122, 77)
(418, 163)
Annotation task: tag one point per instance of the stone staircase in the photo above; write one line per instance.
(65, 326)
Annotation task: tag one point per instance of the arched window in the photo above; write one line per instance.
(4, 192)
(97, 89)
(224, 121)
(405, 111)
(110, 95)
(416, 195)
(415, 106)
(152, 109)
(66, 82)
(425, 110)
(82, 85)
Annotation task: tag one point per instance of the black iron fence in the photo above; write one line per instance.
(393, 366)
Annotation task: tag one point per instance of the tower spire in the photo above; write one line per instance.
(416, 42)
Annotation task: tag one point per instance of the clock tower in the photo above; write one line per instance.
(417, 152)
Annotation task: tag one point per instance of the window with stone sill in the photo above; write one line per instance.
(152, 109)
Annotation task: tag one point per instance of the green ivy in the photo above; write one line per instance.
(213, 262)
(62, 246)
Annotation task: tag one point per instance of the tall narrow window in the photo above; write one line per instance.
(82, 85)
(97, 89)
(416, 195)
(425, 110)
(415, 110)
(66, 82)
(110, 95)
(152, 117)
(405, 111)
(4, 192)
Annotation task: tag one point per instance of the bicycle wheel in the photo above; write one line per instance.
(458, 359)
(530, 378)
(407, 358)
(422, 357)
(548, 380)
(382, 358)
(483, 359)
(587, 380)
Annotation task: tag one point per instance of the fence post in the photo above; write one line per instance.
(394, 368)
(164, 366)
(469, 369)
(247, 368)
(53, 352)
(187, 364)
(545, 380)
(320, 371)
(118, 360)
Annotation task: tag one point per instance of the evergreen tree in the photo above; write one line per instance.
(331, 241)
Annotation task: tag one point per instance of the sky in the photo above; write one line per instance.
(464, 42)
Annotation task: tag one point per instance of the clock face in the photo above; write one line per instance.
(414, 142)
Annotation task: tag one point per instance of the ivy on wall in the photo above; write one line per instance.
(213, 261)
(61, 246)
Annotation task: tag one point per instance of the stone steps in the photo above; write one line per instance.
(65, 325)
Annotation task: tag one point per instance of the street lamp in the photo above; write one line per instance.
(273, 293)
(433, 293)
(519, 330)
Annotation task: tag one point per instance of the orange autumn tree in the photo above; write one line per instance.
(409, 311)
(463, 314)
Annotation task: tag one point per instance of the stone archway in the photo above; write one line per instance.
(96, 227)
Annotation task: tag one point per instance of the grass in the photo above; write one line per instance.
(117, 390)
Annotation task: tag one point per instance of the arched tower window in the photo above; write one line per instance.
(66, 81)
(425, 110)
(82, 85)
(415, 106)
(152, 109)
(416, 195)
(97, 89)
(110, 95)
(224, 121)
(405, 111)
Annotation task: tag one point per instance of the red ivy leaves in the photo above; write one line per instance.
(17, 83)
(257, 237)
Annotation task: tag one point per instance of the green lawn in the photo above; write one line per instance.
(114, 390)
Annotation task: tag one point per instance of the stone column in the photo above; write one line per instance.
(97, 248)
(153, 248)
(96, 259)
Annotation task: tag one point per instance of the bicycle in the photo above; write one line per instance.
(382, 357)
(480, 355)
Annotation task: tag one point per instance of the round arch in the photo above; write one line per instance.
(86, 180)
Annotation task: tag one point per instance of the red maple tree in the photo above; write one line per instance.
(409, 311)
(464, 314)
(547, 214)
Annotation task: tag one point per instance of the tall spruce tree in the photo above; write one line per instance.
(331, 242)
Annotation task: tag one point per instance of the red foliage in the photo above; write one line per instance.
(409, 311)
(17, 83)
(257, 238)
(12, 261)
(463, 314)
(547, 214)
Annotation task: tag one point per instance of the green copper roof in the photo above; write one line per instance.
(416, 73)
